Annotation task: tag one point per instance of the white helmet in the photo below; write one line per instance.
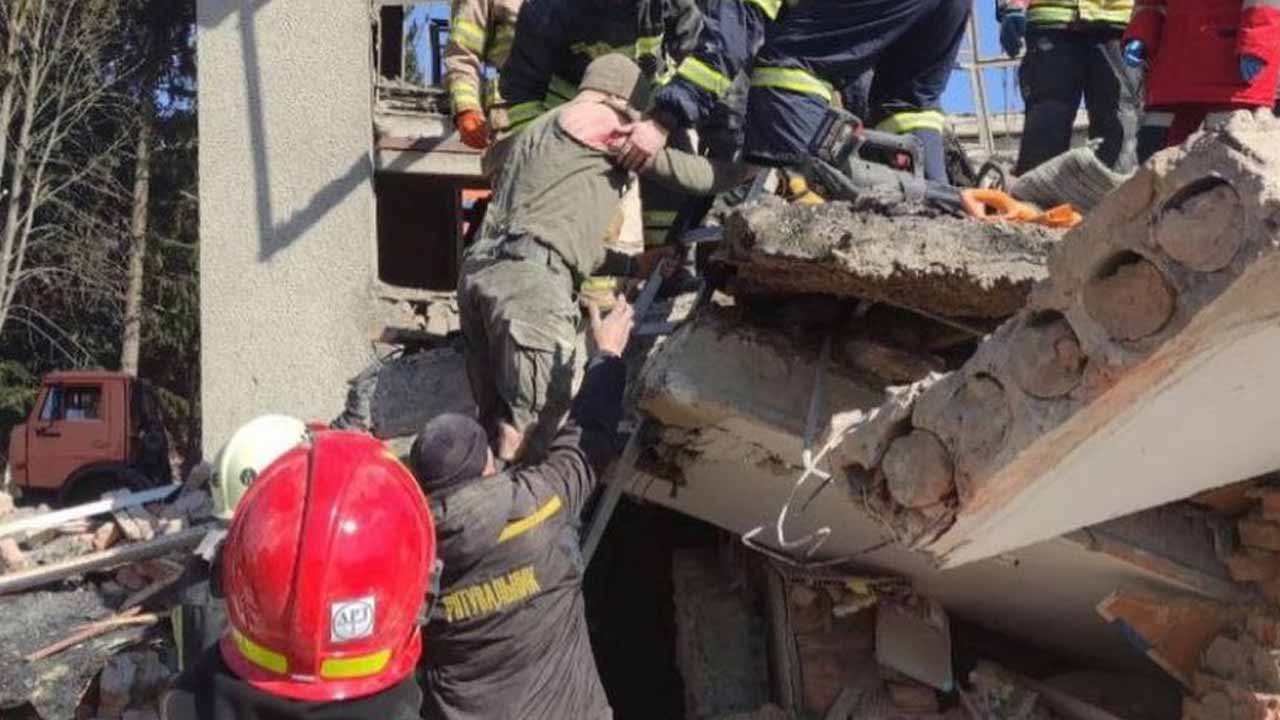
(250, 450)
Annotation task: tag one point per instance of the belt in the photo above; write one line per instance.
(527, 248)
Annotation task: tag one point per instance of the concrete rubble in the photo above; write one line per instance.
(1019, 424)
(81, 629)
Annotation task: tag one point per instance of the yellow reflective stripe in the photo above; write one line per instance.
(704, 76)
(260, 656)
(521, 113)
(354, 667)
(520, 527)
(905, 122)
(770, 8)
(558, 91)
(657, 218)
(469, 35)
(499, 51)
(791, 79)
(648, 45)
(655, 238)
(464, 95)
(596, 49)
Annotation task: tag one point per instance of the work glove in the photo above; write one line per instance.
(1013, 28)
(473, 129)
(1250, 67)
(1135, 53)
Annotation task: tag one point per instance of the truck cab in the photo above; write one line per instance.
(89, 432)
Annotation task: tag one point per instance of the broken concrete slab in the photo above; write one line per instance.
(394, 398)
(910, 256)
(1172, 397)
(734, 398)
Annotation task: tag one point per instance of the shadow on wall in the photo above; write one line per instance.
(274, 237)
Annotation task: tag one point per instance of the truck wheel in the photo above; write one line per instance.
(92, 487)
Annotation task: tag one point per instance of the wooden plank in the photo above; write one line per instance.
(1171, 631)
(119, 555)
(92, 630)
(97, 507)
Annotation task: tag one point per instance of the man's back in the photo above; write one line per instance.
(508, 638)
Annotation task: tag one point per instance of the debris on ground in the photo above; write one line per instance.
(81, 609)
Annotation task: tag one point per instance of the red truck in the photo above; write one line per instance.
(90, 431)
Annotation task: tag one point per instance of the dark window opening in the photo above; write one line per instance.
(75, 404)
(420, 226)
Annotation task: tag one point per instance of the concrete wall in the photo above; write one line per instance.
(287, 206)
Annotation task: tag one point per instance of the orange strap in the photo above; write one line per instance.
(992, 205)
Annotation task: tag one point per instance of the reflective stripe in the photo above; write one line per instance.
(520, 527)
(654, 218)
(599, 284)
(469, 35)
(521, 113)
(596, 49)
(791, 79)
(260, 656)
(561, 90)
(704, 76)
(770, 8)
(648, 44)
(1115, 12)
(905, 122)
(1158, 119)
(1261, 3)
(354, 667)
(655, 238)
(464, 95)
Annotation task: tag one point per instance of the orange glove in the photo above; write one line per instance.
(990, 204)
(473, 129)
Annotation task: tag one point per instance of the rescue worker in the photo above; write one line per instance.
(1202, 57)
(509, 635)
(326, 567)
(807, 52)
(480, 37)
(553, 201)
(200, 613)
(1068, 44)
(555, 41)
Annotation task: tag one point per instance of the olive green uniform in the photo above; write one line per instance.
(553, 201)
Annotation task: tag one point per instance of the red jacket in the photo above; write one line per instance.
(1194, 47)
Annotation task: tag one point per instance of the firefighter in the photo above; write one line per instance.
(480, 37)
(807, 52)
(554, 43)
(553, 201)
(1069, 43)
(200, 613)
(509, 635)
(1202, 57)
(327, 567)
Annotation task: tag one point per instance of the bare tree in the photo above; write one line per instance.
(57, 93)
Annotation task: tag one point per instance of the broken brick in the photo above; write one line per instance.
(1258, 533)
(1253, 565)
(108, 534)
(913, 698)
(11, 556)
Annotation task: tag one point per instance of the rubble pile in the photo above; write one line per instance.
(81, 598)
(1146, 265)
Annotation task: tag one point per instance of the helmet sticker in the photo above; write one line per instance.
(351, 619)
(247, 476)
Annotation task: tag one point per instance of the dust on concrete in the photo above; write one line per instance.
(31, 621)
(891, 252)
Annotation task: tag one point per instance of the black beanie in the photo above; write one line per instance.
(450, 450)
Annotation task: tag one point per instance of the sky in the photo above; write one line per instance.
(1002, 83)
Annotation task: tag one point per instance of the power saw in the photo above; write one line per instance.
(838, 164)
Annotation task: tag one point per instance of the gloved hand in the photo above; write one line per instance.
(1250, 67)
(1135, 53)
(473, 129)
(1013, 28)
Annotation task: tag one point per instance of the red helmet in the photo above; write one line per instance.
(326, 568)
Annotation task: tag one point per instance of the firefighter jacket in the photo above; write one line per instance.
(557, 39)
(480, 36)
(508, 636)
(1067, 13)
(734, 32)
(1194, 48)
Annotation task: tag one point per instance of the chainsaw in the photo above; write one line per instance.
(838, 163)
